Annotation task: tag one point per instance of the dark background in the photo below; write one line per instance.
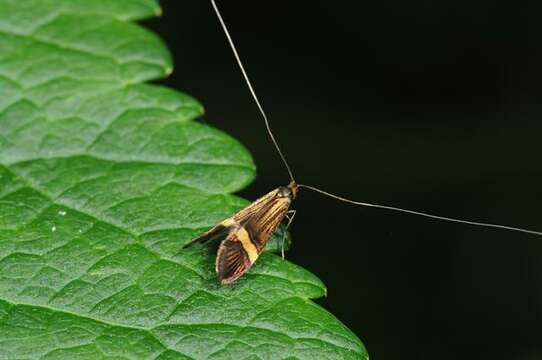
(431, 106)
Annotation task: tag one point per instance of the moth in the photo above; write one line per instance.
(248, 232)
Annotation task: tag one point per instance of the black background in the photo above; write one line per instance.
(431, 106)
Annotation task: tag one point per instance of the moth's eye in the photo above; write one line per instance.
(284, 192)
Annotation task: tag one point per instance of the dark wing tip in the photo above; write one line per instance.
(232, 261)
(229, 280)
(206, 236)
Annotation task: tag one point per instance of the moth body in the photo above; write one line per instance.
(248, 231)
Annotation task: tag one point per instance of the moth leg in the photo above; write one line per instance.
(290, 216)
(212, 234)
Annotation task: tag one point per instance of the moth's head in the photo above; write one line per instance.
(289, 191)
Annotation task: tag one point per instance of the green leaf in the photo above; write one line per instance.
(102, 179)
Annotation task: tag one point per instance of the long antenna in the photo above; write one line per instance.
(419, 213)
(249, 84)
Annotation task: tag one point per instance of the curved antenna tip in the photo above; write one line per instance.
(419, 213)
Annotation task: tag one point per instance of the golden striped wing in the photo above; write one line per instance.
(245, 242)
(256, 206)
(261, 225)
(233, 258)
(236, 220)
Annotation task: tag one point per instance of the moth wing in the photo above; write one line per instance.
(233, 258)
(211, 234)
(263, 224)
(234, 221)
(255, 207)
(241, 248)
